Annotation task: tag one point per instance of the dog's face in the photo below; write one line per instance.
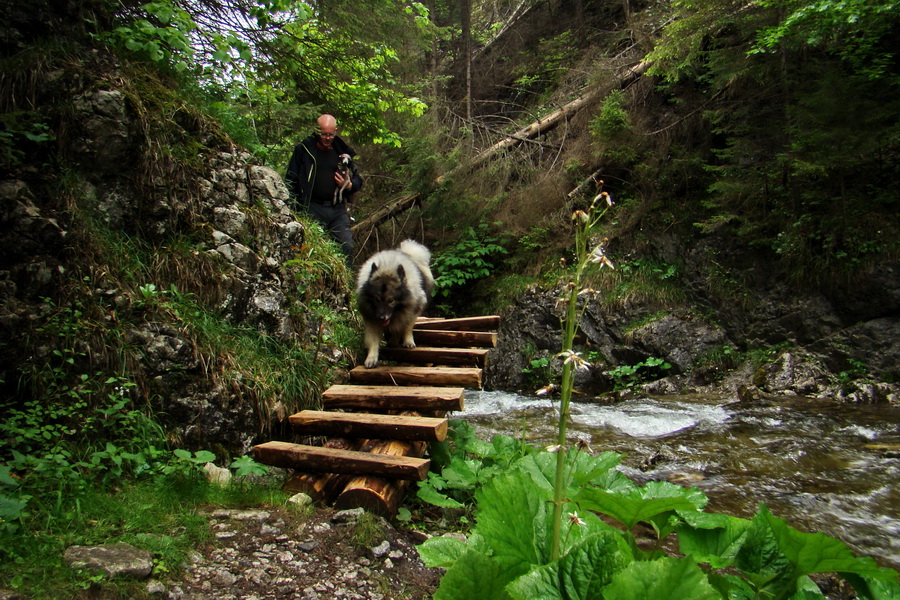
(384, 294)
(344, 164)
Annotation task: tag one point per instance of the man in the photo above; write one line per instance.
(313, 179)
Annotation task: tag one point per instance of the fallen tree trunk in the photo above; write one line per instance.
(386, 212)
(525, 134)
(592, 180)
(541, 125)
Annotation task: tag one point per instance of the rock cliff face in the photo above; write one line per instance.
(224, 233)
(784, 342)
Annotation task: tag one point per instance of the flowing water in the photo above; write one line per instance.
(830, 468)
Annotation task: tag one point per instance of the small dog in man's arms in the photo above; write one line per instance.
(345, 168)
(393, 290)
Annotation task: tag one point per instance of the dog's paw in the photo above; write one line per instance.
(408, 344)
(371, 362)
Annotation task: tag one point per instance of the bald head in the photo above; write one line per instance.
(326, 122)
(327, 130)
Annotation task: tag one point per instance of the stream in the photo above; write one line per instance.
(824, 467)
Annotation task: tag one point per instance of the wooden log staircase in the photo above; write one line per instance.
(377, 427)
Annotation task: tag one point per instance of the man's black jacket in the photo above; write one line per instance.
(301, 170)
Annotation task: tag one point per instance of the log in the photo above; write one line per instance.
(330, 460)
(378, 494)
(423, 355)
(542, 125)
(384, 398)
(365, 425)
(386, 212)
(456, 339)
(592, 180)
(323, 488)
(449, 376)
(483, 323)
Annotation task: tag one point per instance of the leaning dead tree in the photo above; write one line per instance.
(540, 126)
(525, 134)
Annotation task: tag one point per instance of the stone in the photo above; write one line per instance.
(115, 560)
(217, 475)
(155, 588)
(301, 499)
(351, 515)
(380, 550)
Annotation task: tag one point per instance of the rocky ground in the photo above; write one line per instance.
(322, 554)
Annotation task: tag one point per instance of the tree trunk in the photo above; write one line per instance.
(466, 17)
(541, 125)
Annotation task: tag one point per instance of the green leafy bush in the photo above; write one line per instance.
(463, 463)
(629, 376)
(471, 258)
(612, 120)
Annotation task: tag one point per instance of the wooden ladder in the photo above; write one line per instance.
(378, 427)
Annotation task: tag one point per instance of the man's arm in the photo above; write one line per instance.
(292, 176)
(355, 178)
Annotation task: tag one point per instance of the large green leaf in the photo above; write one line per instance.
(818, 553)
(10, 508)
(441, 551)
(476, 575)
(875, 589)
(581, 468)
(429, 494)
(513, 517)
(712, 538)
(629, 509)
(579, 575)
(663, 579)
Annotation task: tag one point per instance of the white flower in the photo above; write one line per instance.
(553, 449)
(599, 256)
(575, 519)
(571, 357)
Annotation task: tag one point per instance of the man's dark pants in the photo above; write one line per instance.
(336, 221)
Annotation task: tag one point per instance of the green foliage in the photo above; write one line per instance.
(508, 553)
(257, 58)
(630, 376)
(612, 120)
(472, 257)
(463, 463)
(542, 66)
(537, 374)
(856, 30)
(164, 35)
(19, 131)
(792, 163)
(367, 531)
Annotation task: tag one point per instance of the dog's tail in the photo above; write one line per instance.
(416, 251)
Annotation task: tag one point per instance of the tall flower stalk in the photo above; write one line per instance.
(585, 222)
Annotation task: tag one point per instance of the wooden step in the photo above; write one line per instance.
(484, 323)
(331, 460)
(394, 397)
(366, 425)
(455, 339)
(425, 355)
(466, 377)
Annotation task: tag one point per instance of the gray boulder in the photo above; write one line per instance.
(114, 560)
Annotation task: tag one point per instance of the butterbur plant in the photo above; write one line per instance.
(559, 524)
